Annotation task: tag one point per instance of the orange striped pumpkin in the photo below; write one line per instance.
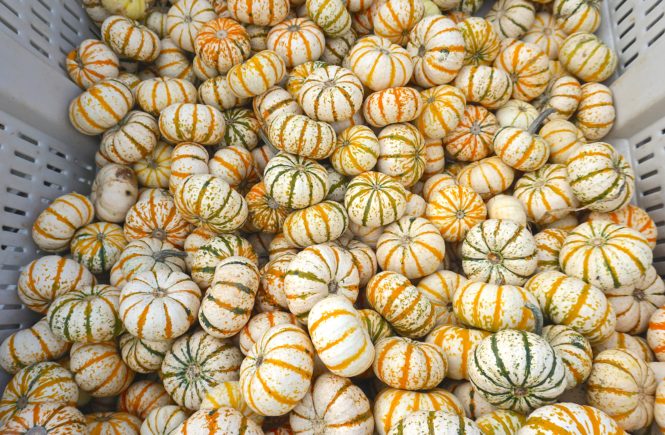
(254, 329)
(394, 19)
(29, 346)
(154, 95)
(262, 156)
(91, 62)
(656, 334)
(516, 113)
(521, 149)
(224, 420)
(100, 107)
(279, 246)
(564, 139)
(216, 92)
(228, 394)
(548, 246)
(48, 277)
(330, 15)
(439, 288)
(436, 183)
(577, 16)
(408, 364)
(154, 170)
(511, 18)
(528, 68)
(143, 356)
(481, 42)
(357, 149)
(562, 417)
(454, 211)
(157, 218)
(457, 344)
(275, 101)
(411, 246)
(363, 257)
(142, 397)
(99, 370)
(487, 177)
(374, 199)
(129, 39)
(185, 19)
(471, 139)
(546, 34)
(574, 350)
(149, 254)
(474, 404)
(97, 246)
(155, 20)
(336, 331)
(188, 122)
(296, 40)
(377, 327)
(265, 213)
(271, 296)
(256, 75)
(196, 363)
(320, 223)
(443, 109)
(379, 64)
(299, 74)
(500, 422)
(562, 94)
(436, 47)
(394, 297)
(242, 129)
(633, 343)
(102, 423)
(197, 238)
(51, 418)
(173, 62)
(295, 182)
(259, 12)
(337, 48)
(402, 153)
(213, 251)
(222, 43)
(159, 305)
(277, 372)
(587, 57)
(187, 158)
(41, 383)
(595, 114)
(546, 194)
(131, 140)
(235, 165)
(331, 93)
(631, 216)
(303, 136)
(488, 86)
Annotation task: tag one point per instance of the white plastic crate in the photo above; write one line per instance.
(42, 156)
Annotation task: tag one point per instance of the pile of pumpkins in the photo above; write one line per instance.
(342, 217)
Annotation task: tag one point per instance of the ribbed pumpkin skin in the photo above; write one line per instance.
(41, 383)
(282, 379)
(99, 370)
(443, 108)
(546, 194)
(187, 122)
(402, 153)
(297, 40)
(331, 16)
(129, 39)
(195, 363)
(375, 69)
(631, 216)
(520, 149)
(173, 62)
(500, 422)
(29, 346)
(339, 404)
(517, 370)
(528, 68)
(154, 170)
(258, 12)
(457, 344)
(131, 140)
(163, 420)
(546, 34)
(56, 224)
(301, 135)
(632, 343)
(398, 301)
(100, 107)
(187, 158)
(587, 57)
(439, 288)
(623, 386)
(228, 394)
(605, 255)
(157, 218)
(185, 19)
(596, 113)
(102, 423)
(368, 206)
(392, 405)
(222, 52)
(216, 92)
(656, 334)
(339, 339)
(98, 246)
(511, 18)
(570, 417)
(432, 422)
(51, 418)
(143, 356)
(320, 223)
(256, 75)
(393, 19)
(154, 95)
(548, 246)
(149, 254)
(562, 94)
(471, 140)
(574, 350)
(481, 42)
(409, 364)
(454, 211)
(295, 182)
(485, 85)
(499, 252)
(331, 93)
(357, 150)
(254, 329)
(142, 397)
(487, 177)
(392, 105)
(91, 62)
(216, 249)
(224, 420)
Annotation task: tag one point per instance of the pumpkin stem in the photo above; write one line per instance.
(542, 116)
(538, 314)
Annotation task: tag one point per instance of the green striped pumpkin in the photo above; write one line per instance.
(98, 246)
(208, 256)
(374, 199)
(149, 254)
(574, 350)
(143, 356)
(295, 182)
(377, 327)
(241, 128)
(435, 423)
(517, 370)
(330, 15)
(511, 18)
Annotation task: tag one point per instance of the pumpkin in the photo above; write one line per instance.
(222, 43)
(605, 255)
(471, 139)
(527, 67)
(655, 336)
(296, 40)
(587, 57)
(55, 226)
(368, 235)
(499, 252)
(228, 394)
(500, 422)
(511, 18)
(254, 329)
(394, 19)
(439, 288)
(265, 213)
(217, 248)
(256, 75)
(332, 403)
(187, 158)
(331, 93)
(235, 165)
(595, 113)
(546, 34)
(316, 272)
(363, 257)
(562, 94)
(102, 106)
(51, 418)
(401, 153)
(564, 139)
(258, 36)
(87, 314)
(548, 246)
(481, 42)
(623, 386)
(241, 128)
(392, 406)
(157, 218)
(320, 223)
(574, 350)
(298, 134)
(336, 331)
(129, 39)
(504, 372)
(409, 364)
(658, 407)
(377, 327)
(185, 19)
(577, 16)
(506, 207)
(357, 149)
(631, 216)
(443, 109)
(98, 246)
(224, 420)
(271, 296)
(92, 61)
(29, 346)
(487, 177)
(44, 279)
(488, 86)
(572, 302)
(258, 12)
(277, 372)
(337, 48)
(299, 74)
(523, 149)
(473, 403)
(209, 201)
(154, 170)
(331, 16)
(143, 356)
(173, 62)
(546, 194)
(379, 64)
(279, 247)
(634, 305)
(142, 397)
(99, 370)
(635, 344)
(163, 420)
(411, 246)
(41, 383)
(567, 417)
(457, 344)
(261, 156)
(197, 238)
(150, 254)
(375, 199)
(433, 422)
(187, 122)
(393, 296)
(435, 184)
(216, 92)
(112, 423)
(454, 210)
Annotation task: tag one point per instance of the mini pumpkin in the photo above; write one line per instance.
(376, 69)
(488, 86)
(587, 57)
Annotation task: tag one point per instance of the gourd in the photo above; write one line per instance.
(548, 246)
(320, 223)
(252, 332)
(511, 18)
(393, 19)
(55, 226)
(129, 39)
(87, 314)
(187, 122)
(563, 94)
(434, 422)
(632, 343)
(298, 75)
(377, 327)
(224, 420)
(98, 246)
(605, 255)
(516, 113)
(154, 95)
(242, 129)
(473, 403)
(481, 42)
(487, 177)
(333, 402)
(258, 12)
(528, 68)
(363, 257)
(587, 57)
(504, 372)
(393, 296)
(631, 216)
(488, 86)
(91, 62)
(48, 418)
(265, 213)
(228, 394)
(331, 16)
(523, 149)
(298, 134)
(143, 356)
(185, 19)
(157, 218)
(316, 272)
(546, 194)
(163, 420)
(392, 105)
(501, 422)
(574, 350)
(569, 417)
(357, 148)
(99, 370)
(342, 344)
(471, 140)
(102, 106)
(256, 75)
(142, 397)
(435, 184)
(409, 364)
(506, 207)
(235, 165)
(276, 374)
(114, 192)
(595, 113)
(374, 199)
(401, 153)
(411, 246)
(149, 254)
(38, 286)
(295, 182)
(439, 288)
(623, 386)
(331, 93)
(564, 139)
(443, 109)
(213, 251)
(216, 92)
(196, 363)
(112, 422)
(187, 158)
(546, 34)
(222, 43)
(296, 40)
(173, 62)
(378, 63)
(336, 49)
(434, 159)
(29, 346)
(437, 51)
